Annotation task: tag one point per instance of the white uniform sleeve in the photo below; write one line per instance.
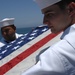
(49, 64)
(2, 43)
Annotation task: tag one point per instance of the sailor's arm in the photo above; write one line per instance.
(49, 64)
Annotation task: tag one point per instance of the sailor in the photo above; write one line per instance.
(8, 31)
(59, 59)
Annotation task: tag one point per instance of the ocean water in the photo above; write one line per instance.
(22, 30)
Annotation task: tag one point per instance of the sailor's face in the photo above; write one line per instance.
(55, 18)
(8, 33)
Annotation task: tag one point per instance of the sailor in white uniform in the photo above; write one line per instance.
(59, 59)
(8, 31)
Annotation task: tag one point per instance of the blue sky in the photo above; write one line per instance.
(26, 12)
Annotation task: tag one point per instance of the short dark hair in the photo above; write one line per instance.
(63, 3)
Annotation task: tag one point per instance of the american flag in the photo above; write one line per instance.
(15, 57)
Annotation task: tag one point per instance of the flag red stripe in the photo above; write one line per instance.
(6, 67)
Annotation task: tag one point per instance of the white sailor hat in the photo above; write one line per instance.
(45, 3)
(6, 22)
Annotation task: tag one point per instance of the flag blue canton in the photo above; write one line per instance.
(16, 44)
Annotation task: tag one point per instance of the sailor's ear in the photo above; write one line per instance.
(14, 27)
(71, 8)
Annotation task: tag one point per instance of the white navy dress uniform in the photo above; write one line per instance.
(59, 59)
(7, 22)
